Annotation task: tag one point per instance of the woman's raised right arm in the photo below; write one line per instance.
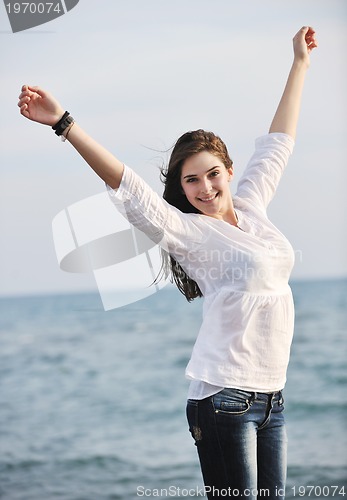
(38, 105)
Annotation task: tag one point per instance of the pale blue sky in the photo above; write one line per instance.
(138, 74)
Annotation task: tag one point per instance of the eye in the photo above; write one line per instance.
(191, 179)
(214, 173)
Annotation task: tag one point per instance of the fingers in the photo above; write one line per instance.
(37, 90)
(308, 34)
(28, 93)
(310, 38)
(24, 99)
(23, 107)
(24, 110)
(31, 91)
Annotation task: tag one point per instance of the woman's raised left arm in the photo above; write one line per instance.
(287, 113)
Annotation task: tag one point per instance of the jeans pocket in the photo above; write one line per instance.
(232, 402)
(192, 417)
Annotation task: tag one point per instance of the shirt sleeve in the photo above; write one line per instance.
(261, 177)
(150, 213)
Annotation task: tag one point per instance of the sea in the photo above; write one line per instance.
(92, 403)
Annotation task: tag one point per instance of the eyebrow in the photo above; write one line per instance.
(207, 171)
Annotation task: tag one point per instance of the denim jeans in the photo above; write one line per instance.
(242, 443)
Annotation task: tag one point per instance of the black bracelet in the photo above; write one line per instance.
(63, 123)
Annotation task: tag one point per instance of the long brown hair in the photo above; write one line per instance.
(186, 146)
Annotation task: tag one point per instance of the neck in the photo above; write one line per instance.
(230, 217)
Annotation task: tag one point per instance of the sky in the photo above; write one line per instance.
(136, 75)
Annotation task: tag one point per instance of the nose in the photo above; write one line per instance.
(206, 186)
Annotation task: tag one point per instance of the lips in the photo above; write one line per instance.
(208, 199)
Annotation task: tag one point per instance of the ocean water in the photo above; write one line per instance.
(92, 403)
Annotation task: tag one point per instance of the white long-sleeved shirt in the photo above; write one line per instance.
(248, 314)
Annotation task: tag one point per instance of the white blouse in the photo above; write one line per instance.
(248, 314)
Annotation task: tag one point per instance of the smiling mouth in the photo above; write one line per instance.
(208, 199)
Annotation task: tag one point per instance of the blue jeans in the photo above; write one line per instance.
(242, 443)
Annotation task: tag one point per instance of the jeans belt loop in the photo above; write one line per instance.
(280, 398)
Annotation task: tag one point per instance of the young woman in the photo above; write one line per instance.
(225, 249)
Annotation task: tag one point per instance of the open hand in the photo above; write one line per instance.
(39, 106)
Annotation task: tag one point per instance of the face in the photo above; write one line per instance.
(205, 182)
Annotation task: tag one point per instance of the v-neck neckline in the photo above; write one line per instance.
(226, 222)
